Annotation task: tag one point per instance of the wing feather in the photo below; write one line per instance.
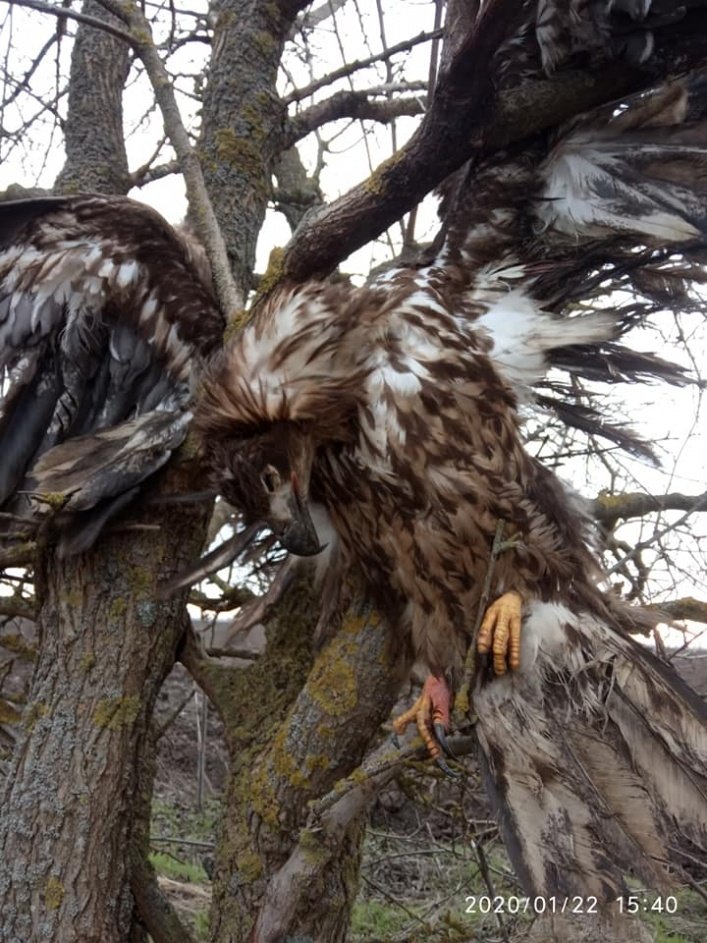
(105, 314)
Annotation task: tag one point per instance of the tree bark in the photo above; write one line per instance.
(106, 645)
(243, 120)
(96, 161)
(295, 727)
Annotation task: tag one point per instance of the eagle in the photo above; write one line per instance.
(396, 407)
(384, 421)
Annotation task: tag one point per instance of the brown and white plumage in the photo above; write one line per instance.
(396, 407)
(105, 311)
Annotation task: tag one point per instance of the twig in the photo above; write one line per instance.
(182, 841)
(358, 64)
(488, 881)
(64, 13)
(463, 698)
(205, 222)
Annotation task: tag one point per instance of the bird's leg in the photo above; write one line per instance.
(431, 714)
(499, 632)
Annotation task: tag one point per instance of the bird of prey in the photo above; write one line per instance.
(396, 406)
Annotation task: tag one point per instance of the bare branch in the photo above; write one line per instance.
(64, 13)
(609, 508)
(359, 64)
(200, 204)
(350, 105)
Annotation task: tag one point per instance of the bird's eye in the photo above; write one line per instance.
(270, 479)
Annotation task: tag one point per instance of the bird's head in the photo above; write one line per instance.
(267, 476)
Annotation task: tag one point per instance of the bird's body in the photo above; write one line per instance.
(427, 457)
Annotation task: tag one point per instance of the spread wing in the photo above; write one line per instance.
(105, 312)
(571, 243)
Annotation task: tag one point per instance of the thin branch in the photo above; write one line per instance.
(64, 13)
(350, 104)
(205, 222)
(358, 64)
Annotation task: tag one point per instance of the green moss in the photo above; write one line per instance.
(73, 598)
(8, 714)
(245, 154)
(54, 499)
(265, 43)
(260, 794)
(376, 183)
(236, 322)
(116, 712)
(332, 683)
(334, 689)
(141, 580)
(35, 712)
(88, 661)
(15, 643)
(117, 608)
(318, 761)
(273, 274)
(249, 865)
(53, 893)
(310, 844)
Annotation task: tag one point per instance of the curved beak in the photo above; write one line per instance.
(299, 535)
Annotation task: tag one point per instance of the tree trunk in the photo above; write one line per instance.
(243, 118)
(107, 644)
(96, 161)
(294, 729)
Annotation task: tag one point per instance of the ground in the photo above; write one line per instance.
(428, 846)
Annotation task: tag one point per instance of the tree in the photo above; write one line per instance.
(297, 722)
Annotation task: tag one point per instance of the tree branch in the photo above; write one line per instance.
(348, 104)
(609, 508)
(205, 222)
(65, 13)
(466, 119)
(358, 64)
(156, 911)
(686, 609)
(331, 818)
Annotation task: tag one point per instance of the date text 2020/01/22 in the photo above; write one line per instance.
(630, 904)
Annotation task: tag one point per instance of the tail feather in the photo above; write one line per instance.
(596, 757)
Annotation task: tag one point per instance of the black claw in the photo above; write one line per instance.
(441, 735)
(446, 768)
(395, 740)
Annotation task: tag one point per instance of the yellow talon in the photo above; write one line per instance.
(500, 632)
